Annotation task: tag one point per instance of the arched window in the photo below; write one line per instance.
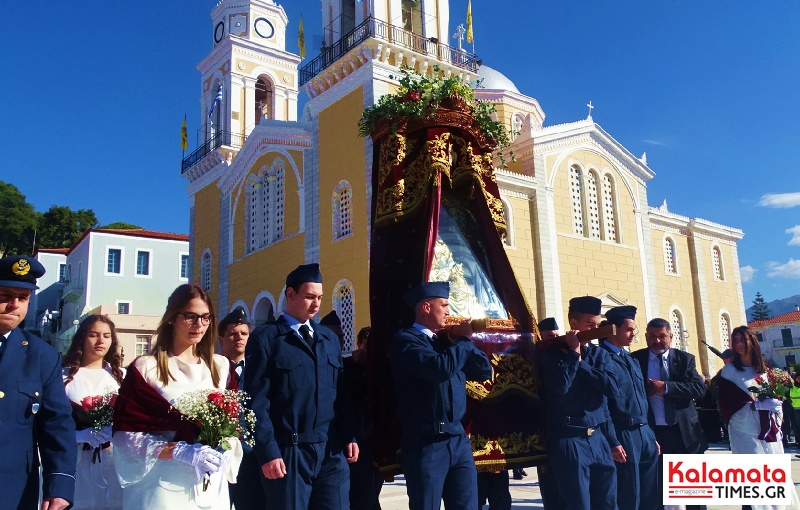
(345, 306)
(592, 207)
(412, 16)
(724, 330)
(716, 261)
(265, 99)
(508, 216)
(253, 214)
(205, 270)
(216, 95)
(609, 210)
(576, 191)
(265, 207)
(342, 210)
(677, 327)
(670, 257)
(263, 310)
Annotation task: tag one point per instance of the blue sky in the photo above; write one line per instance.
(95, 93)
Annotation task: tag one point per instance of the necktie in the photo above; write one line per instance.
(238, 371)
(669, 411)
(306, 332)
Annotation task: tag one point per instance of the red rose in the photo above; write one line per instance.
(86, 403)
(232, 409)
(760, 379)
(216, 398)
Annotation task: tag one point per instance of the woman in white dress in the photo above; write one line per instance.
(753, 425)
(92, 369)
(158, 463)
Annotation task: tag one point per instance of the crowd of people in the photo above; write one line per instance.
(89, 433)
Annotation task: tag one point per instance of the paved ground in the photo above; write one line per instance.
(525, 493)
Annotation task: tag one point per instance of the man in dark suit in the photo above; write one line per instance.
(234, 331)
(430, 371)
(672, 384)
(304, 428)
(36, 414)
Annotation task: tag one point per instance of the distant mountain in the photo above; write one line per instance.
(778, 307)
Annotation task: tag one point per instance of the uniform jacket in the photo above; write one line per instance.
(34, 411)
(295, 390)
(629, 407)
(577, 389)
(684, 385)
(430, 381)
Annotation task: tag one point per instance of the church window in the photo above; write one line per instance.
(508, 236)
(205, 270)
(253, 214)
(265, 99)
(576, 190)
(716, 260)
(342, 210)
(609, 210)
(724, 330)
(670, 259)
(345, 307)
(265, 207)
(676, 325)
(592, 207)
(412, 15)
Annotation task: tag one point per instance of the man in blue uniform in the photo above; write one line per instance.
(304, 427)
(430, 375)
(633, 444)
(578, 380)
(34, 410)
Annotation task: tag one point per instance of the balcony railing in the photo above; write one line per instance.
(785, 343)
(378, 29)
(219, 139)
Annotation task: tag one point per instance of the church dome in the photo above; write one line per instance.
(494, 80)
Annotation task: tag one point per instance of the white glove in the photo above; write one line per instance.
(770, 404)
(104, 434)
(92, 436)
(204, 459)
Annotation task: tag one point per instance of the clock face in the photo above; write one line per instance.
(264, 28)
(219, 32)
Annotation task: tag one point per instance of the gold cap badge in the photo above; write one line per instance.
(21, 267)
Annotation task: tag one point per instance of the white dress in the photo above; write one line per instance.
(745, 426)
(149, 482)
(96, 484)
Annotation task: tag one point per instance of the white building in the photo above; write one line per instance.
(124, 274)
(779, 338)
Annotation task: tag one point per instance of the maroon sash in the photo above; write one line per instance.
(140, 408)
(732, 398)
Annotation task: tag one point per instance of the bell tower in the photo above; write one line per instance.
(248, 76)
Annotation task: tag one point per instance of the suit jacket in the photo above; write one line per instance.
(684, 385)
(296, 390)
(34, 413)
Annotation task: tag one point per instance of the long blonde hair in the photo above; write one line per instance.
(165, 333)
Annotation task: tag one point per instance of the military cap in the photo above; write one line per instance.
(548, 324)
(20, 271)
(307, 273)
(619, 313)
(585, 304)
(237, 316)
(332, 319)
(426, 290)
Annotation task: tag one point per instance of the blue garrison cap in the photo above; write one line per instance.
(307, 273)
(426, 290)
(619, 313)
(332, 319)
(585, 304)
(548, 324)
(237, 316)
(20, 271)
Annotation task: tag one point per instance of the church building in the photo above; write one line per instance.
(271, 187)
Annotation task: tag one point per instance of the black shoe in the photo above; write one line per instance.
(518, 474)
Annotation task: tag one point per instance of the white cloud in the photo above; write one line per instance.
(656, 142)
(795, 231)
(780, 200)
(790, 269)
(747, 273)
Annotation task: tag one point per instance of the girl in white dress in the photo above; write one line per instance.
(158, 463)
(92, 368)
(742, 412)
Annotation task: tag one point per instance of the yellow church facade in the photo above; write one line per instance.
(273, 187)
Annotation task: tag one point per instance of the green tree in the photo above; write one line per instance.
(19, 221)
(121, 225)
(60, 226)
(760, 308)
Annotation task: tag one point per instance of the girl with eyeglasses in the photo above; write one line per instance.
(159, 463)
(92, 371)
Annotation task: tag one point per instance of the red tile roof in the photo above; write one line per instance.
(53, 250)
(133, 232)
(780, 319)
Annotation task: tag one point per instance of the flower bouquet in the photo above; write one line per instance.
(221, 416)
(96, 411)
(775, 385)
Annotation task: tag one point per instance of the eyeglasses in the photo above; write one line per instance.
(191, 318)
